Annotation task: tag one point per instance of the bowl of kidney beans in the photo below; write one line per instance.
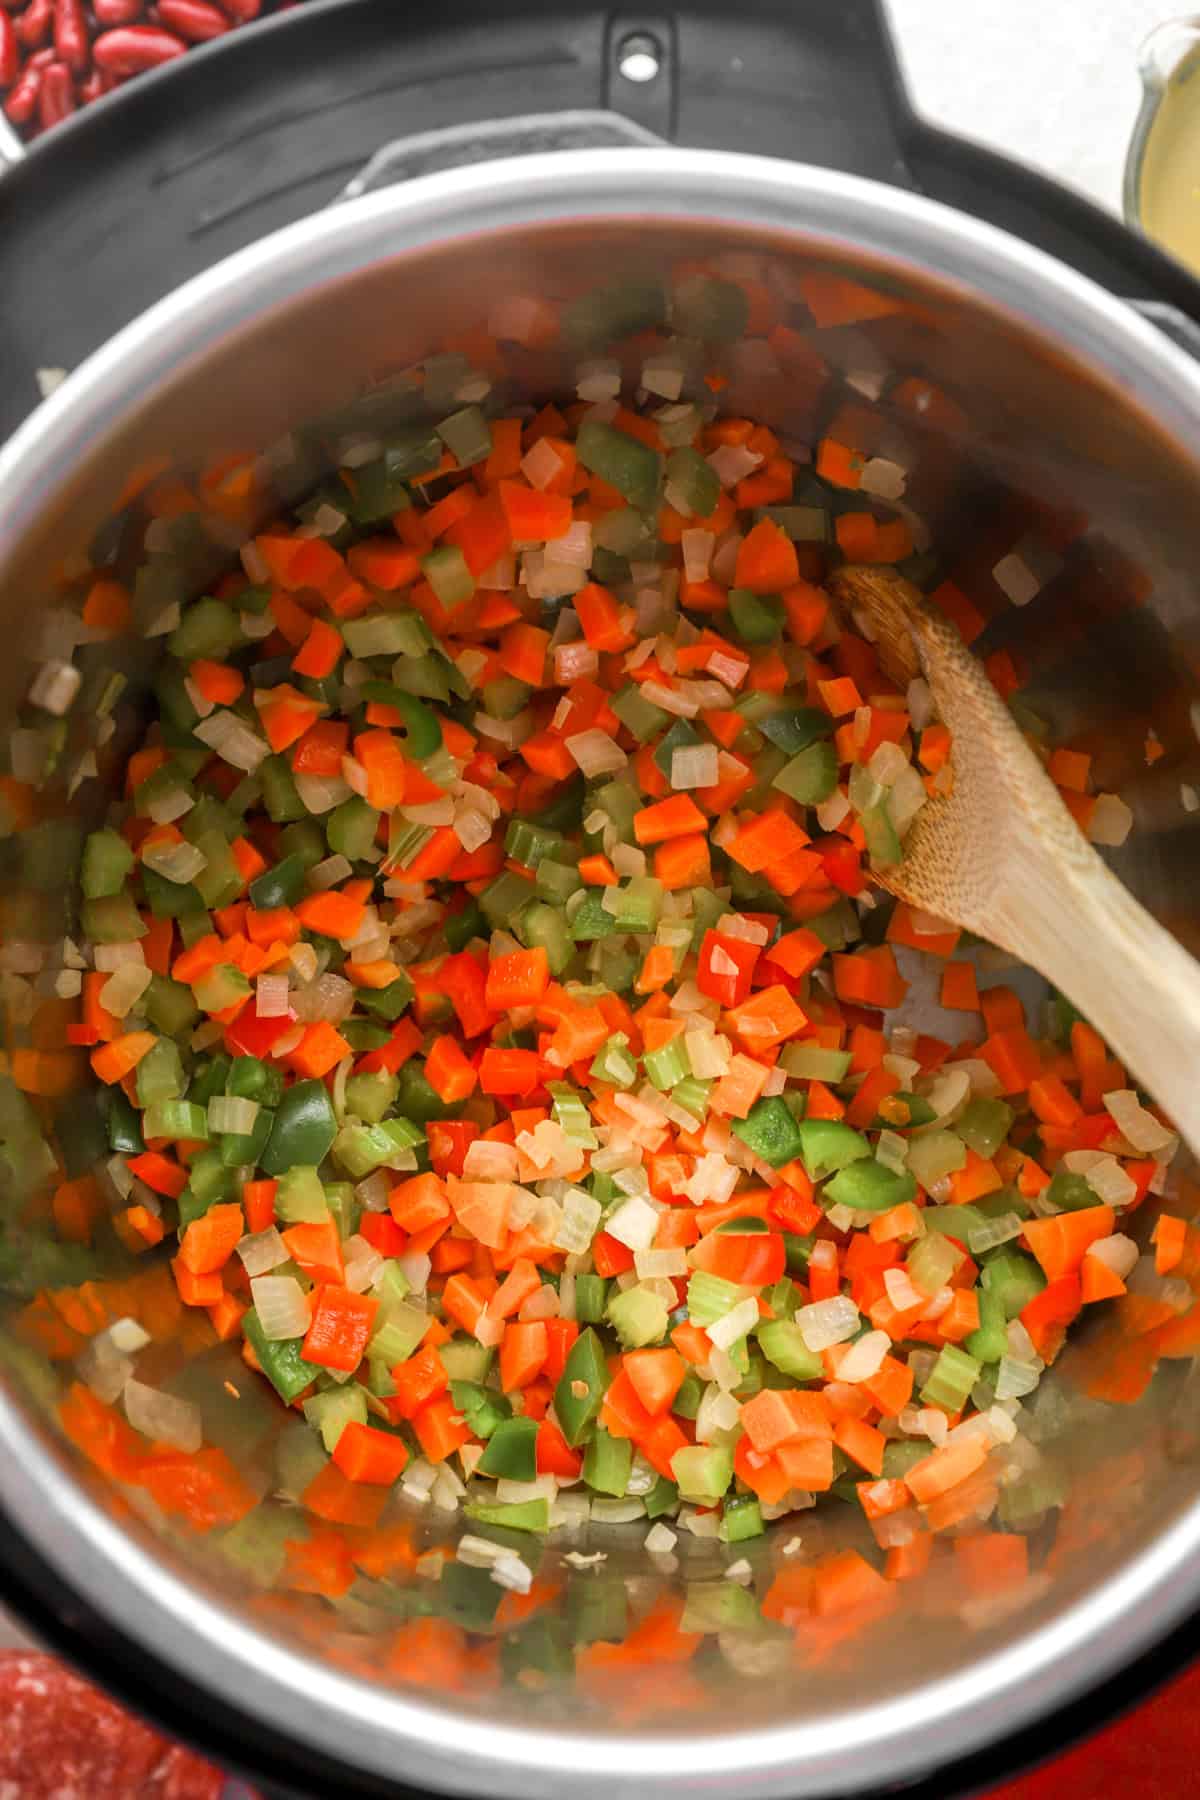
(59, 55)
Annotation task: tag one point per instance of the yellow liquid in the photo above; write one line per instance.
(1169, 189)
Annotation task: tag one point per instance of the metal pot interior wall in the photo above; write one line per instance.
(1012, 442)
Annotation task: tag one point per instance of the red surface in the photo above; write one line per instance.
(62, 1739)
(1151, 1754)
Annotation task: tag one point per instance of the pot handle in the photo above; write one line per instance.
(458, 146)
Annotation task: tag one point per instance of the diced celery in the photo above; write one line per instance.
(812, 1062)
(710, 1297)
(300, 1197)
(160, 1073)
(368, 1097)
(741, 1519)
(639, 1316)
(111, 919)
(176, 1119)
(468, 434)
(333, 1410)
(545, 927)
(447, 573)
(936, 1154)
(638, 715)
(465, 1360)
(221, 987)
(783, 1346)
(693, 480)
(169, 1005)
(931, 1261)
(692, 1094)
(953, 1376)
(703, 1472)
(208, 628)
(505, 899)
(107, 860)
(668, 1064)
(351, 827)
(1015, 1280)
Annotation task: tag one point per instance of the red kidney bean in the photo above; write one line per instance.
(132, 48)
(242, 11)
(35, 23)
(195, 20)
(95, 86)
(71, 35)
(41, 59)
(56, 98)
(10, 52)
(22, 97)
(117, 12)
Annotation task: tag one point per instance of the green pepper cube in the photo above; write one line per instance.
(581, 1389)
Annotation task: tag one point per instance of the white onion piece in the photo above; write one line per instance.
(262, 1251)
(234, 742)
(740, 1319)
(1139, 1127)
(271, 997)
(321, 793)
(864, 1357)
(124, 988)
(827, 1322)
(281, 1305)
(163, 1417)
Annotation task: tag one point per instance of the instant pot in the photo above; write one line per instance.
(292, 218)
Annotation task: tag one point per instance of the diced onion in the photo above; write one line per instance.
(731, 463)
(104, 1368)
(540, 464)
(271, 997)
(235, 743)
(321, 793)
(165, 1418)
(171, 805)
(415, 1266)
(864, 1357)
(364, 1265)
(740, 1319)
(175, 862)
(1117, 1252)
(262, 1251)
(1111, 821)
(694, 766)
(827, 1322)
(1137, 1126)
(633, 1224)
(595, 753)
(124, 988)
(281, 1305)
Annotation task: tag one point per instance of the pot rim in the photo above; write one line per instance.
(202, 1642)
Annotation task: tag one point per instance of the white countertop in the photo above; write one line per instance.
(1053, 82)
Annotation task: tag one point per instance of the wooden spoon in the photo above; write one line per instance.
(1002, 857)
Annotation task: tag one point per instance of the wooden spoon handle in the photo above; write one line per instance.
(1082, 929)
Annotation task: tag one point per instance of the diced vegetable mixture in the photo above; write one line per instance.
(503, 1039)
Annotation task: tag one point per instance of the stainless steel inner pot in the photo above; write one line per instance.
(1034, 412)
